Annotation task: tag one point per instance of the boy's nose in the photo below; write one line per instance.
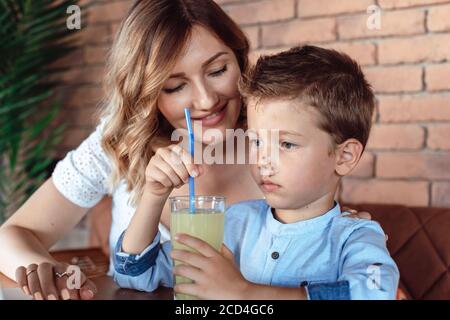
(266, 166)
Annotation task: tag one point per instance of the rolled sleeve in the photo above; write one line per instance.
(339, 290)
(367, 266)
(146, 271)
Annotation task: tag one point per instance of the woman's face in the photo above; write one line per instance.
(204, 79)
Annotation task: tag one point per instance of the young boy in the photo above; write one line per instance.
(295, 244)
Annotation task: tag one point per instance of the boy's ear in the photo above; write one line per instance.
(348, 154)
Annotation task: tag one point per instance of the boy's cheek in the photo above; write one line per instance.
(255, 173)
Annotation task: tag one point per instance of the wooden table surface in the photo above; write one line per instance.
(95, 265)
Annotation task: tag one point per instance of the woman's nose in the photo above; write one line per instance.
(205, 97)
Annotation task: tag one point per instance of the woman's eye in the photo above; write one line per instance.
(172, 90)
(288, 145)
(218, 72)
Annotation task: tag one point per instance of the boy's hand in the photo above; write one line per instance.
(215, 277)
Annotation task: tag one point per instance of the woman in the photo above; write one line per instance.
(168, 55)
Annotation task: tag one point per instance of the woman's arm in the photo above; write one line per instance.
(169, 168)
(41, 221)
(26, 238)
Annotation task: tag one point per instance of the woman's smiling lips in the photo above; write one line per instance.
(213, 118)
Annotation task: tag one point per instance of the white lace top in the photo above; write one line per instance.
(82, 177)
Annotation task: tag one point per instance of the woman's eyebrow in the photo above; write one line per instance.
(214, 57)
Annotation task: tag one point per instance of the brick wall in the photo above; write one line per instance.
(407, 61)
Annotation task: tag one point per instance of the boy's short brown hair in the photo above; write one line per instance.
(325, 79)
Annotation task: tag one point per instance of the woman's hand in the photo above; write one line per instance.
(204, 267)
(43, 283)
(355, 214)
(359, 215)
(169, 168)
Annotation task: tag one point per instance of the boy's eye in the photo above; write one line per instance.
(288, 145)
(172, 90)
(218, 72)
(255, 142)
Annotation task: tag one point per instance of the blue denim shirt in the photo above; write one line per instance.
(331, 256)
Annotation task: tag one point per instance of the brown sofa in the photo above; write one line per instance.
(419, 242)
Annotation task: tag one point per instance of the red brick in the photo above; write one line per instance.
(437, 77)
(82, 75)
(362, 52)
(395, 79)
(438, 18)
(83, 96)
(392, 23)
(396, 137)
(432, 47)
(390, 4)
(255, 54)
(365, 167)
(110, 11)
(97, 54)
(414, 108)
(74, 136)
(253, 36)
(440, 195)
(413, 165)
(73, 59)
(82, 117)
(94, 34)
(410, 193)
(309, 8)
(114, 29)
(299, 31)
(439, 136)
(261, 11)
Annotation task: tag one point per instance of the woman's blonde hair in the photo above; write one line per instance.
(146, 47)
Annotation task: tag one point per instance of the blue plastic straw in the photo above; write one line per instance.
(187, 113)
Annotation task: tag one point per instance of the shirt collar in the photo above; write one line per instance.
(315, 224)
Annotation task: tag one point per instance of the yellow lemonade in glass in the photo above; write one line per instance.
(206, 223)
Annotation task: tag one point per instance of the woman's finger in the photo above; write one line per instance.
(364, 215)
(168, 171)
(88, 290)
(47, 281)
(33, 282)
(176, 159)
(64, 283)
(349, 210)
(21, 279)
(188, 162)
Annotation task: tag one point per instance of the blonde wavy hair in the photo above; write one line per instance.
(145, 50)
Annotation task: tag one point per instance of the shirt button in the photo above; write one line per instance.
(275, 255)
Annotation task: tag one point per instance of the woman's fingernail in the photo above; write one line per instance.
(38, 296)
(65, 294)
(25, 289)
(89, 294)
(194, 173)
(51, 297)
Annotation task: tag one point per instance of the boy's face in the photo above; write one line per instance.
(305, 170)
